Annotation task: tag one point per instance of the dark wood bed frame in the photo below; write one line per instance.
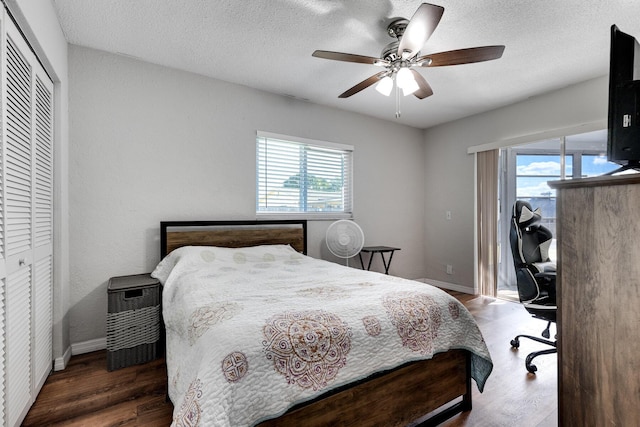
(424, 393)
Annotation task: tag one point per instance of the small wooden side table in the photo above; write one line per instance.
(372, 250)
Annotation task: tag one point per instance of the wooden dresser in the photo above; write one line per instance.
(598, 232)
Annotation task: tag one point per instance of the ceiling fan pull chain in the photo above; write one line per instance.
(397, 101)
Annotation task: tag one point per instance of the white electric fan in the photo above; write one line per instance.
(344, 239)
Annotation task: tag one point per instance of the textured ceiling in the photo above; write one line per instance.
(267, 44)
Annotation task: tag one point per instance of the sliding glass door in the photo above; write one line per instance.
(525, 171)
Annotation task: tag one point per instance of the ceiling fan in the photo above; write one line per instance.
(399, 58)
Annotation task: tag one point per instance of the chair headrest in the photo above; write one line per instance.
(525, 215)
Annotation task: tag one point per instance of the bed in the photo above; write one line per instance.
(258, 333)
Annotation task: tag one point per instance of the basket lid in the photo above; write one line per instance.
(134, 281)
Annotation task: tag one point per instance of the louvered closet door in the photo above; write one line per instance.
(42, 228)
(27, 214)
(3, 270)
(17, 207)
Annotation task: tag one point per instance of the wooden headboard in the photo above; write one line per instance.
(232, 234)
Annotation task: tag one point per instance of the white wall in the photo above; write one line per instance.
(39, 22)
(449, 184)
(149, 143)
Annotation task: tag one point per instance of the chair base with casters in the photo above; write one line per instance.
(545, 312)
(515, 343)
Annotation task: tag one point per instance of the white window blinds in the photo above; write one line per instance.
(303, 178)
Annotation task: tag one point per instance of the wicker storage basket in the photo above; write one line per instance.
(133, 320)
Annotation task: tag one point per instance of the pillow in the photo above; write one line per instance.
(203, 255)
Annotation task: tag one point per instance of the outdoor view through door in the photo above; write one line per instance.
(524, 173)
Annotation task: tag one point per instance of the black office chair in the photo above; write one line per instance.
(535, 273)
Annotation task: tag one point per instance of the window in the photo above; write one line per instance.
(596, 164)
(303, 178)
(533, 171)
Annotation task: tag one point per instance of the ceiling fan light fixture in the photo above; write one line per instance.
(385, 86)
(410, 88)
(406, 82)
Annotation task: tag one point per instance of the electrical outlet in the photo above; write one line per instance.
(449, 269)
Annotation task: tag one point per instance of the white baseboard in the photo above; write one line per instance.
(61, 362)
(446, 285)
(88, 346)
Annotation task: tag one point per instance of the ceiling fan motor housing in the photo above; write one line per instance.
(390, 51)
(395, 29)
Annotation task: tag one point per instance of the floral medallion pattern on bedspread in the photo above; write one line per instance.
(235, 366)
(308, 348)
(371, 325)
(252, 332)
(205, 317)
(189, 413)
(417, 319)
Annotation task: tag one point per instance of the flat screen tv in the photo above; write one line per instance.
(623, 138)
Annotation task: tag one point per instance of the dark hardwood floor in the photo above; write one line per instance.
(512, 396)
(86, 394)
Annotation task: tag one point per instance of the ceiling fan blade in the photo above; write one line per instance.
(462, 56)
(348, 57)
(363, 85)
(425, 90)
(422, 25)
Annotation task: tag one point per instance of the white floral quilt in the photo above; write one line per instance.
(254, 331)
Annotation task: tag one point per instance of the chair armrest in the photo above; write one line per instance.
(546, 275)
(535, 306)
(545, 267)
